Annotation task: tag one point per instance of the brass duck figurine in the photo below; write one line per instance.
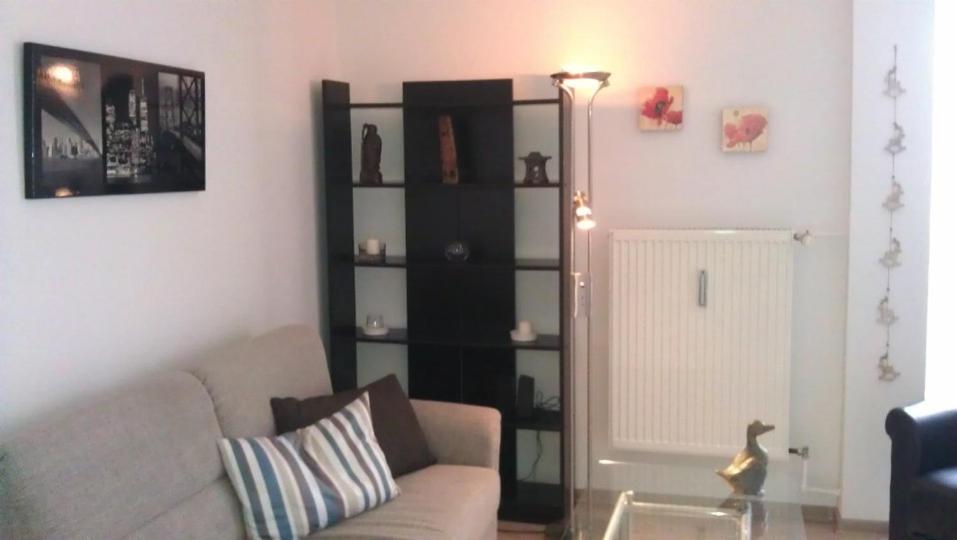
(747, 471)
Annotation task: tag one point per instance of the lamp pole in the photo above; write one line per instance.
(588, 314)
(580, 282)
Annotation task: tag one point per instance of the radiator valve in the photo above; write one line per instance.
(804, 452)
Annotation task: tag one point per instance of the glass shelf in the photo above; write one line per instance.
(399, 185)
(541, 420)
(494, 340)
(503, 185)
(400, 261)
(387, 262)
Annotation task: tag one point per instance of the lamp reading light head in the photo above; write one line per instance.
(583, 219)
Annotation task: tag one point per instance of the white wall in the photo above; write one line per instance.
(95, 291)
(942, 291)
(878, 25)
(792, 57)
(101, 290)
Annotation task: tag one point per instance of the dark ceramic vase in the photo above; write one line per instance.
(457, 251)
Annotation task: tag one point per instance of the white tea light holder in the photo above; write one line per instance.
(371, 250)
(524, 332)
(375, 325)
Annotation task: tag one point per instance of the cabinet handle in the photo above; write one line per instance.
(703, 288)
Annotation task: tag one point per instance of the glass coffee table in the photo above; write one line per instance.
(681, 499)
(633, 518)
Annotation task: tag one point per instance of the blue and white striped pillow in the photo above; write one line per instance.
(296, 484)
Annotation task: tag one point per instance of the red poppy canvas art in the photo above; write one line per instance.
(744, 129)
(662, 108)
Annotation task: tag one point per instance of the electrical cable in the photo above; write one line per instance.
(552, 403)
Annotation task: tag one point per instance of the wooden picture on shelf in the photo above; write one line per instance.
(449, 156)
(103, 125)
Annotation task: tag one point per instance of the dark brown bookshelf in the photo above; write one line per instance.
(533, 501)
(458, 313)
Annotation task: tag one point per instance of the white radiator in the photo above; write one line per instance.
(700, 339)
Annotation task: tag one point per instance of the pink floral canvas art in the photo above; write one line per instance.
(662, 108)
(744, 129)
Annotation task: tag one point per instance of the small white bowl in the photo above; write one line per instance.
(375, 331)
(524, 338)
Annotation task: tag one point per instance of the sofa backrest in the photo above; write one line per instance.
(143, 462)
(107, 470)
(287, 362)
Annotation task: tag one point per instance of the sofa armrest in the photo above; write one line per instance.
(461, 434)
(924, 438)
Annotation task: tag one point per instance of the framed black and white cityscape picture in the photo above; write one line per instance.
(102, 125)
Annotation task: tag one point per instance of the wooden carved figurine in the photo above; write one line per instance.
(747, 471)
(369, 172)
(450, 165)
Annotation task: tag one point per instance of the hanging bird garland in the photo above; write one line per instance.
(894, 202)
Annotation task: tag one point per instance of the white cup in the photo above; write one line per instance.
(525, 328)
(372, 246)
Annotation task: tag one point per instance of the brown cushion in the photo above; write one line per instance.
(393, 420)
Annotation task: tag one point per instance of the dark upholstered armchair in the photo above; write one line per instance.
(923, 472)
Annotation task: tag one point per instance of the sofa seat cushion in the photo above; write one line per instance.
(934, 504)
(438, 502)
(213, 513)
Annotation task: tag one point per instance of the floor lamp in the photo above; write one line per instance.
(588, 83)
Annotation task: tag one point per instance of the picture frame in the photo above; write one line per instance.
(661, 108)
(744, 129)
(96, 124)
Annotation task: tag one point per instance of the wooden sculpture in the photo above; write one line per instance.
(450, 166)
(371, 156)
(747, 471)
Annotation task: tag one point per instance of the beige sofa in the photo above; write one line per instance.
(143, 462)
